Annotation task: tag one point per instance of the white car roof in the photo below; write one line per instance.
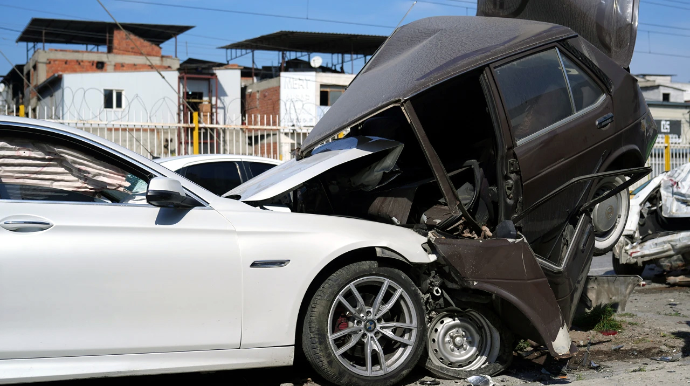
(177, 163)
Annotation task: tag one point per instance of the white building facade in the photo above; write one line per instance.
(137, 96)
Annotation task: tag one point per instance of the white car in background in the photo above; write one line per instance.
(219, 173)
(114, 265)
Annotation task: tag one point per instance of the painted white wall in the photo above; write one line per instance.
(229, 94)
(298, 99)
(655, 93)
(147, 97)
(329, 79)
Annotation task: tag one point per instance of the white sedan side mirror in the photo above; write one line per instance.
(166, 192)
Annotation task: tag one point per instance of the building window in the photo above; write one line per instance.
(330, 94)
(666, 97)
(112, 99)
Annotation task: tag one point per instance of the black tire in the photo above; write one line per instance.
(318, 326)
(503, 358)
(626, 269)
(604, 241)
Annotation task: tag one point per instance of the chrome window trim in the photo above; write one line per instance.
(551, 266)
(269, 263)
(108, 150)
(90, 203)
(563, 121)
(567, 82)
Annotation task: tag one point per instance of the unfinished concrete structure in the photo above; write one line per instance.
(134, 50)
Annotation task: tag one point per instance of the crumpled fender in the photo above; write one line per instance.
(509, 269)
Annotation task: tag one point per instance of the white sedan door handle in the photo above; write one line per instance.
(25, 224)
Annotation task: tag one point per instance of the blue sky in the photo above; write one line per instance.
(215, 28)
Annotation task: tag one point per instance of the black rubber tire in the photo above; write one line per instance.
(504, 359)
(626, 269)
(315, 328)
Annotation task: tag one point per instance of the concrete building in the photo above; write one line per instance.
(12, 93)
(136, 50)
(669, 103)
(310, 77)
(296, 98)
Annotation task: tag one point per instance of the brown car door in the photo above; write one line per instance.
(559, 117)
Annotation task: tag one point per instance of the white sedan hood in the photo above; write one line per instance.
(291, 174)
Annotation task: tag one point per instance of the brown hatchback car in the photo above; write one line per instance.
(510, 145)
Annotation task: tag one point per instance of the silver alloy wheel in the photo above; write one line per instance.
(378, 333)
(463, 341)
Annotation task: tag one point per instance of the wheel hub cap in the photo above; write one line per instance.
(370, 326)
(605, 214)
(463, 341)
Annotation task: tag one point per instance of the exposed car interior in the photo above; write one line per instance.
(408, 194)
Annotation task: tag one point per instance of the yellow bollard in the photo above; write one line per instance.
(195, 138)
(667, 152)
(21, 110)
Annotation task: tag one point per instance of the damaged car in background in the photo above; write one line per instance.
(510, 152)
(658, 228)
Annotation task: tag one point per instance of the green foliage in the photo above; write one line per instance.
(522, 345)
(599, 319)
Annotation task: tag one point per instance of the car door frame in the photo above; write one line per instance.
(567, 124)
(117, 157)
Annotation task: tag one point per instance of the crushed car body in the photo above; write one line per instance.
(503, 150)
(658, 228)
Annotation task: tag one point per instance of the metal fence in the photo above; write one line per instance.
(255, 135)
(680, 154)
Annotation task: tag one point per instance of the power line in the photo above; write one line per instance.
(447, 5)
(677, 1)
(665, 26)
(664, 54)
(464, 1)
(255, 13)
(663, 33)
(651, 2)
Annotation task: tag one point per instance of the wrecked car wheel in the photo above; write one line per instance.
(609, 217)
(365, 324)
(463, 344)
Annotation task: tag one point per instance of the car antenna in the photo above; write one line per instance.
(403, 18)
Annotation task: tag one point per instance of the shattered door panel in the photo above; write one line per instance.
(567, 280)
(509, 269)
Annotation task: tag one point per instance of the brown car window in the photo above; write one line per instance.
(585, 91)
(535, 92)
(47, 170)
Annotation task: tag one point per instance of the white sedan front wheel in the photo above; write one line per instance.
(365, 324)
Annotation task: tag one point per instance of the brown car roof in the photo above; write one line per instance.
(424, 53)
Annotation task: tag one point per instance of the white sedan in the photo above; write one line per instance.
(113, 265)
(218, 173)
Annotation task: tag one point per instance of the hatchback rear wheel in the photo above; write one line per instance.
(365, 324)
(472, 342)
(609, 217)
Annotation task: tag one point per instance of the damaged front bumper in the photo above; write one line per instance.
(509, 270)
(657, 248)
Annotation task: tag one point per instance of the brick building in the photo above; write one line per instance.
(106, 49)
